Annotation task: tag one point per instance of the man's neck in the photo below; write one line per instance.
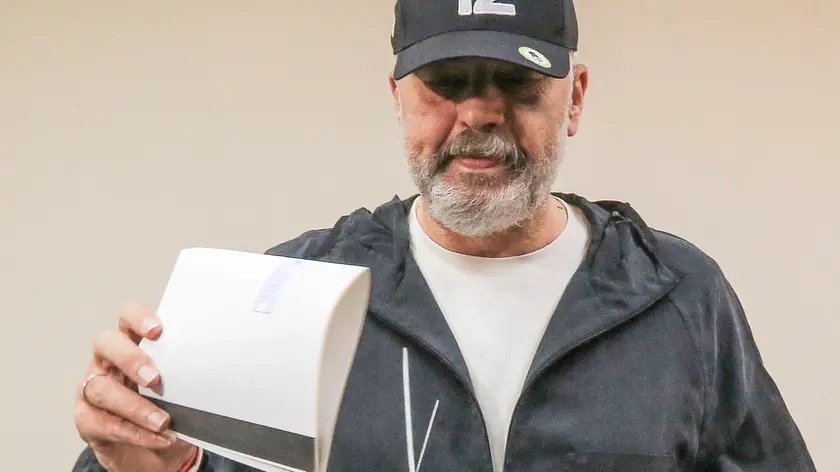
(534, 234)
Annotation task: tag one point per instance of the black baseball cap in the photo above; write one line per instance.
(537, 34)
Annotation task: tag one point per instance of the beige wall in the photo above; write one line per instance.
(129, 130)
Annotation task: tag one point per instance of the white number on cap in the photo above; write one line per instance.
(485, 7)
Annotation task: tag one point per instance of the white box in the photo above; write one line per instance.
(255, 353)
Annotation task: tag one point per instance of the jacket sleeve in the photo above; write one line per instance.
(211, 462)
(86, 462)
(748, 427)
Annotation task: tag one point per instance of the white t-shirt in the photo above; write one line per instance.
(498, 309)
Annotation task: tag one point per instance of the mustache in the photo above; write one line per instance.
(483, 145)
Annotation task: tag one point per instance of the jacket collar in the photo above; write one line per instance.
(620, 276)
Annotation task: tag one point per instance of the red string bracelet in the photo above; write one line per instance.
(191, 461)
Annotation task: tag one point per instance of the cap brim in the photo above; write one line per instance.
(541, 56)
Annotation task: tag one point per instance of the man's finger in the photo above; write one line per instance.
(138, 321)
(107, 394)
(116, 348)
(97, 426)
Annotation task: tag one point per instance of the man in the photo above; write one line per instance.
(509, 328)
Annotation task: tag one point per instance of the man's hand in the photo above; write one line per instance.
(125, 431)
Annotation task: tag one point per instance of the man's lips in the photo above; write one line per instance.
(476, 162)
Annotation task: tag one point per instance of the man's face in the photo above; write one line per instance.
(484, 139)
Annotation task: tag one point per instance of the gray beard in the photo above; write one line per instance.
(477, 206)
(476, 210)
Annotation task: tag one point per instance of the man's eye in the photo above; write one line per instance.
(514, 82)
(448, 86)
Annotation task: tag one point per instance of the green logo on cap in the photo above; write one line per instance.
(535, 56)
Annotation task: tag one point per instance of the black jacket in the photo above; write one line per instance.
(648, 364)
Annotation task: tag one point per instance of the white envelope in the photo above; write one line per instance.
(255, 353)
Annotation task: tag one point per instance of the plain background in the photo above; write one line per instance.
(129, 130)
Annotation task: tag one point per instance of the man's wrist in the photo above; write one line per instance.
(193, 462)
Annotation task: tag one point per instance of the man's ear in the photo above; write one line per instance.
(395, 93)
(578, 93)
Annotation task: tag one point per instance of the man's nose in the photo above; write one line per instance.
(484, 110)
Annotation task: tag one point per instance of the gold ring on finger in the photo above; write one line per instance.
(87, 381)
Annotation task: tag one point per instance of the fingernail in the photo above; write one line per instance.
(147, 374)
(170, 435)
(156, 419)
(149, 325)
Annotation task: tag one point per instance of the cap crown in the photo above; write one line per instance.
(552, 21)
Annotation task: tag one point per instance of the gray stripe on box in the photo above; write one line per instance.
(275, 445)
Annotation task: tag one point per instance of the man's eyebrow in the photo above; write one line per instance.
(518, 71)
(444, 69)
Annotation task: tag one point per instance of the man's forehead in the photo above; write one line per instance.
(468, 64)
